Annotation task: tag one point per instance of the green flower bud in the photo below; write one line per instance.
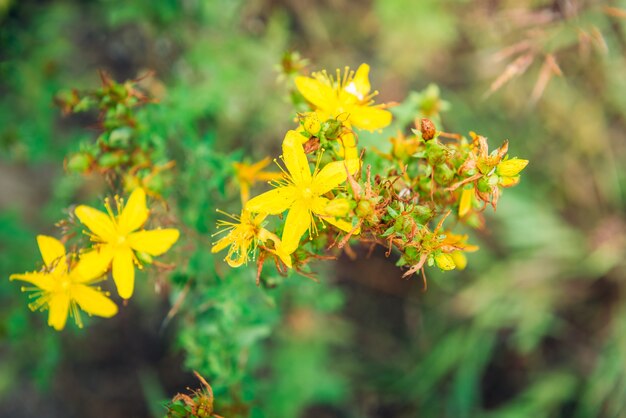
(422, 214)
(444, 174)
(364, 209)
(111, 159)
(79, 163)
(332, 128)
(483, 185)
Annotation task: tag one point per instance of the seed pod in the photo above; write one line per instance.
(427, 127)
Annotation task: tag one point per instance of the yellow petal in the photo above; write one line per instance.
(370, 118)
(465, 204)
(318, 205)
(93, 264)
(508, 181)
(445, 261)
(295, 158)
(360, 85)
(52, 252)
(331, 176)
(459, 258)
(244, 190)
(270, 175)
(259, 165)
(124, 272)
(154, 242)
(321, 95)
(511, 168)
(222, 243)
(296, 224)
(59, 306)
(283, 255)
(337, 207)
(348, 148)
(41, 280)
(273, 202)
(343, 225)
(265, 235)
(93, 302)
(135, 212)
(98, 222)
(242, 258)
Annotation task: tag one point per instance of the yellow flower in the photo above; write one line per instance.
(116, 241)
(243, 238)
(248, 174)
(62, 290)
(303, 193)
(347, 94)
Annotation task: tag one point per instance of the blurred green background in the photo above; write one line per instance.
(536, 326)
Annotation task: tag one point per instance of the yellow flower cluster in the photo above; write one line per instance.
(65, 284)
(305, 195)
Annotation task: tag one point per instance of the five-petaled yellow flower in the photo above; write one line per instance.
(243, 237)
(348, 94)
(248, 174)
(116, 241)
(62, 288)
(303, 193)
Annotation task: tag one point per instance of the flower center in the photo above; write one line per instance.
(63, 284)
(121, 240)
(307, 193)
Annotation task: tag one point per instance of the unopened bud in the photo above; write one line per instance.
(338, 207)
(445, 261)
(312, 124)
(364, 209)
(427, 127)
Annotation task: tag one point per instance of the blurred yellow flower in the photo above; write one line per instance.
(116, 241)
(348, 95)
(243, 237)
(249, 174)
(302, 193)
(62, 289)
